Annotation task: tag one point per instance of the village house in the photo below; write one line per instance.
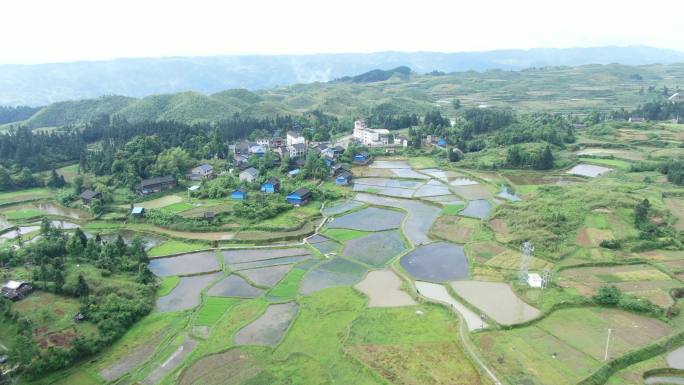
(88, 196)
(257, 150)
(343, 178)
(239, 194)
(272, 185)
(371, 137)
(294, 137)
(297, 150)
(362, 158)
(16, 290)
(299, 197)
(138, 212)
(249, 175)
(155, 185)
(636, 119)
(203, 171)
(242, 148)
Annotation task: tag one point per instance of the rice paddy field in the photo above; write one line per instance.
(412, 279)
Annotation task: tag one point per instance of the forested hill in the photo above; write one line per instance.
(553, 89)
(42, 84)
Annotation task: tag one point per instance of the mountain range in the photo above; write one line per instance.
(42, 84)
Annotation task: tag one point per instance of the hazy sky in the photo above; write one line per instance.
(34, 31)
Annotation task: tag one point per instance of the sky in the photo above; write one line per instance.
(40, 31)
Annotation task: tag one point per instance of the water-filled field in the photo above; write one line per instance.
(589, 170)
(266, 276)
(440, 294)
(369, 219)
(186, 264)
(497, 300)
(383, 288)
(187, 294)
(340, 207)
(252, 255)
(270, 327)
(436, 262)
(375, 249)
(336, 272)
(478, 208)
(420, 216)
(234, 286)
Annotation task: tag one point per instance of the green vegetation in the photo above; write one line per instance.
(452, 209)
(167, 285)
(289, 285)
(212, 309)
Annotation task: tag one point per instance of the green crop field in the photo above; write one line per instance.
(289, 285)
(212, 309)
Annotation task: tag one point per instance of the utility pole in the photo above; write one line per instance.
(610, 332)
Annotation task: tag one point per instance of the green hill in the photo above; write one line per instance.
(554, 89)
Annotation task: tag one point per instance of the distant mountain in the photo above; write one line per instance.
(42, 84)
(376, 75)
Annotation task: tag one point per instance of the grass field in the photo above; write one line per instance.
(343, 235)
(212, 309)
(289, 285)
(28, 213)
(24, 195)
(176, 208)
(452, 209)
(167, 285)
(421, 162)
(175, 247)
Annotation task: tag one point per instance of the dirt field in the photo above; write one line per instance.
(676, 207)
(497, 300)
(590, 237)
(501, 230)
(452, 229)
(229, 368)
(270, 328)
(383, 288)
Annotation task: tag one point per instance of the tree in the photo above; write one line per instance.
(97, 207)
(641, 211)
(608, 296)
(546, 159)
(5, 179)
(145, 276)
(456, 104)
(55, 180)
(174, 161)
(82, 288)
(58, 280)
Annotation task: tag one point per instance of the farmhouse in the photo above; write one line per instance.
(155, 185)
(239, 194)
(362, 158)
(16, 290)
(343, 178)
(249, 175)
(299, 197)
(296, 150)
(241, 148)
(88, 196)
(272, 185)
(257, 150)
(203, 171)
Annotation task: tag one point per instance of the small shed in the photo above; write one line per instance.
(138, 212)
(343, 178)
(272, 185)
(299, 197)
(88, 196)
(362, 158)
(293, 173)
(442, 143)
(534, 280)
(16, 290)
(239, 194)
(209, 215)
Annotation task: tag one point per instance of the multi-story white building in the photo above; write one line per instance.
(294, 137)
(371, 137)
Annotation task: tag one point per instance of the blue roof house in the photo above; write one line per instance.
(343, 178)
(239, 194)
(299, 197)
(272, 185)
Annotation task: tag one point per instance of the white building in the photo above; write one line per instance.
(534, 280)
(294, 137)
(371, 137)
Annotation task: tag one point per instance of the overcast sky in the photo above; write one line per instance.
(36, 31)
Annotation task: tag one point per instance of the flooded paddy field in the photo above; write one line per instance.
(270, 327)
(234, 286)
(478, 208)
(419, 219)
(383, 288)
(235, 256)
(187, 294)
(336, 272)
(186, 264)
(368, 219)
(436, 262)
(589, 170)
(497, 300)
(266, 276)
(375, 249)
(440, 294)
(341, 207)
